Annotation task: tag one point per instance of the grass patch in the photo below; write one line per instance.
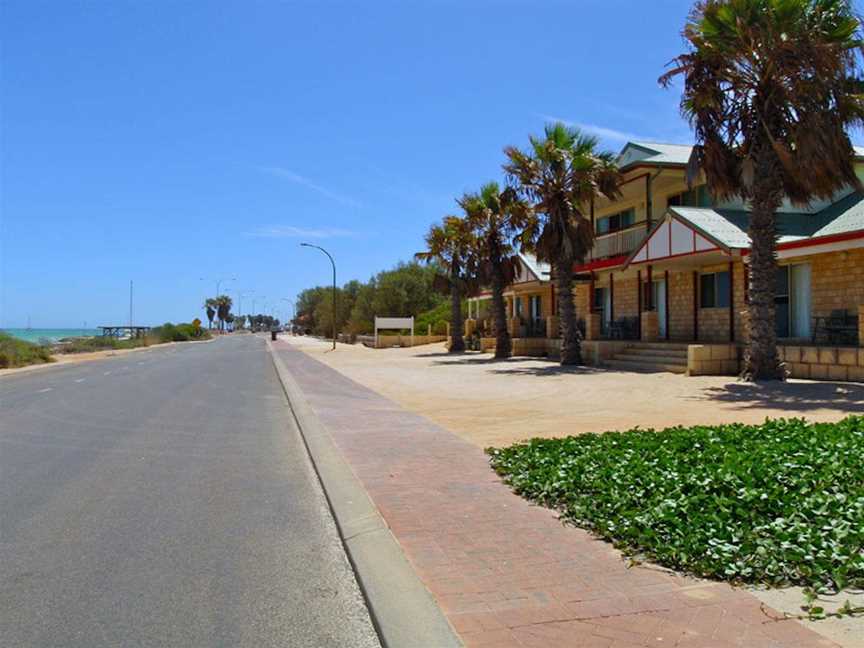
(19, 353)
(779, 503)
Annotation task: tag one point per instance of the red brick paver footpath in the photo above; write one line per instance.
(505, 572)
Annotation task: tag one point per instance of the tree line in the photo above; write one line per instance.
(404, 291)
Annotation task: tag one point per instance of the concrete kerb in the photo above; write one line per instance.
(402, 609)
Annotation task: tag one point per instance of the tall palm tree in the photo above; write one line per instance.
(561, 174)
(452, 244)
(497, 217)
(770, 88)
(223, 305)
(210, 308)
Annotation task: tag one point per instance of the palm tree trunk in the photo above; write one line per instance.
(457, 341)
(761, 360)
(571, 350)
(503, 345)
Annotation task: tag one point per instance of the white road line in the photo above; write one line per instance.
(107, 373)
(81, 380)
(47, 389)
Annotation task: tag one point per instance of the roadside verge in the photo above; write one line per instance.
(402, 609)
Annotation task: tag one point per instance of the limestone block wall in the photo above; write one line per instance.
(824, 363)
(837, 280)
(625, 298)
(680, 295)
(529, 347)
(713, 359)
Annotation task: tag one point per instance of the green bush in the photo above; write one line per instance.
(169, 332)
(19, 353)
(438, 317)
(778, 503)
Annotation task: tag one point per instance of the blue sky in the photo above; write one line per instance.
(167, 141)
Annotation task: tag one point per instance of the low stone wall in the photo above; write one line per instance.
(824, 363)
(713, 360)
(596, 352)
(809, 362)
(535, 347)
(389, 341)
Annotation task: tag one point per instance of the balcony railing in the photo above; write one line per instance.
(618, 243)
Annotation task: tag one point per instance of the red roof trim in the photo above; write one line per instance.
(601, 264)
(811, 242)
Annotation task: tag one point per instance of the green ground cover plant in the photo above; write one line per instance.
(19, 353)
(779, 503)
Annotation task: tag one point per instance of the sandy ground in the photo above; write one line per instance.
(495, 403)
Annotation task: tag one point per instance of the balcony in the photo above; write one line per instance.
(618, 243)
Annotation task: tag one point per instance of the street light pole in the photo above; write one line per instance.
(333, 263)
(290, 303)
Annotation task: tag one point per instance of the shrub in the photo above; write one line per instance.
(778, 503)
(19, 353)
(169, 332)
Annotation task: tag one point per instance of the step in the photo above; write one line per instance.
(677, 346)
(654, 359)
(648, 353)
(646, 367)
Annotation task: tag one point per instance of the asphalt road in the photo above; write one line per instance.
(165, 498)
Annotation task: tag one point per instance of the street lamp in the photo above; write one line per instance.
(219, 283)
(333, 263)
(293, 316)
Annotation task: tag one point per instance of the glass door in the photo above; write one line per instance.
(659, 296)
(799, 300)
(792, 301)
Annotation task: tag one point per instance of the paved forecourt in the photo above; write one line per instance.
(507, 573)
(165, 498)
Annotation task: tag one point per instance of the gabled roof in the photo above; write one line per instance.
(726, 229)
(539, 269)
(663, 153)
(636, 153)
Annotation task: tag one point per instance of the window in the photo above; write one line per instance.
(696, 197)
(599, 299)
(518, 303)
(534, 306)
(616, 222)
(714, 290)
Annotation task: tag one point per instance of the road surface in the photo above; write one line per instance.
(165, 498)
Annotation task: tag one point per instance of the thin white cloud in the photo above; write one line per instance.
(600, 131)
(290, 231)
(296, 178)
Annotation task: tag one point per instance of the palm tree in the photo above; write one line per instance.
(770, 88)
(210, 307)
(561, 174)
(452, 244)
(223, 305)
(497, 217)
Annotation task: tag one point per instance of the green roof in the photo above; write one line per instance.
(729, 227)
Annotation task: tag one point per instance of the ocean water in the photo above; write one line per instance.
(51, 335)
